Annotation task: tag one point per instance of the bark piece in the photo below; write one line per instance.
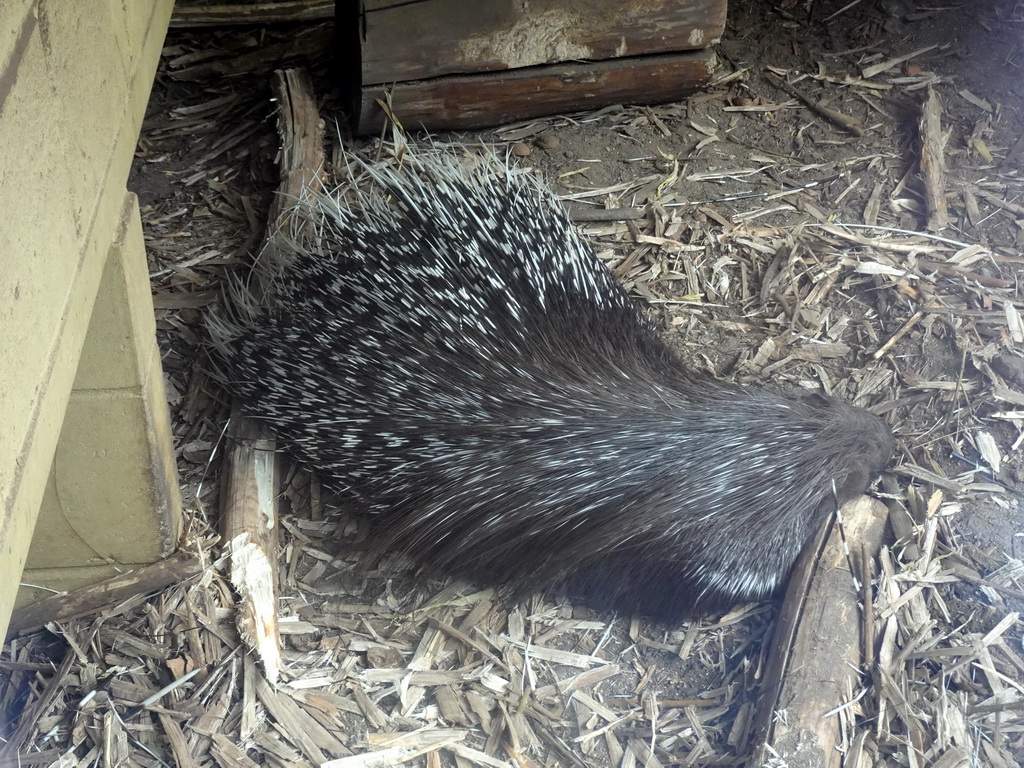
(817, 648)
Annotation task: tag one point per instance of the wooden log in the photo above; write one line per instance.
(817, 648)
(473, 101)
(431, 38)
(249, 523)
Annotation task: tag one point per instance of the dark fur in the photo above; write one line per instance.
(458, 362)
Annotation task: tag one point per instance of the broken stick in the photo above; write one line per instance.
(92, 599)
(249, 524)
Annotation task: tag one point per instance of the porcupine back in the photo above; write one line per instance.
(449, 354)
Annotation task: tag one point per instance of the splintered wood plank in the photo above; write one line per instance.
(415, 41)
(250, 530)
(473, 101)
(302, 143)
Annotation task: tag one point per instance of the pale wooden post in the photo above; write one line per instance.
(75, 81)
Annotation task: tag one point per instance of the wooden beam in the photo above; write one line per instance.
(473, 101)
(431, 38)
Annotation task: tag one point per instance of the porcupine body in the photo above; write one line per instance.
(449, 354)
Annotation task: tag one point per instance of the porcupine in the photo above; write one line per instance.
(448, 353)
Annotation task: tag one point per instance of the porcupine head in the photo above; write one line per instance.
(447, 353)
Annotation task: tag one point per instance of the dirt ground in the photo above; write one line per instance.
(775, 246)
